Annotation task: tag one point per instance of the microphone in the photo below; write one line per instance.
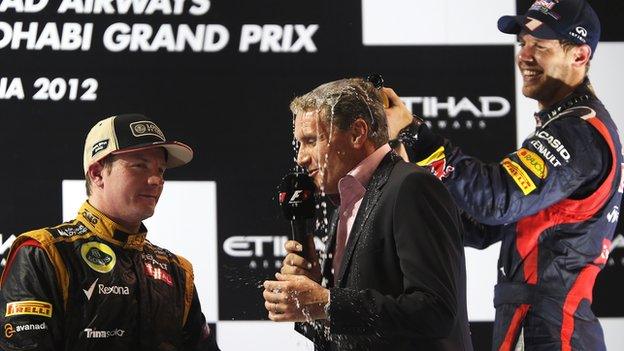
(296, 198)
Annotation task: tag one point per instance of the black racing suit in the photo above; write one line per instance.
(554, 204)
(88, 285)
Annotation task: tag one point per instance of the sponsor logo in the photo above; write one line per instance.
(445, 112)
(103, 334)
(533, 162)
(99, 256)
(436, 163)
(113, 289)
(99, 146)
(544, 151)
(545, 6)
(31, 307)
(555, 143)
(93, 219)
(79, 229)
(154, 261)
(106, 290)
(582, 31)
(157, 273)
(299, 196)
(89, 291)
(9, 330)
(614, 215)
(143, 128)
(262, 251)
(519, 176)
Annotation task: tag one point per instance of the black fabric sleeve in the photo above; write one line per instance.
(198, 336)
(426, 230)
(31, 307)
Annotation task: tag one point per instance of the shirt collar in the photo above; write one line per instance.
(110, 231)
(582, 93)
(363, 172)
(353, 185)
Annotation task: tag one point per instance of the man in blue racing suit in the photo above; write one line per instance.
(554, 203)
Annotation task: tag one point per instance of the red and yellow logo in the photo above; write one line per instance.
(533, 163)
(519, 176)
(36, 308)
(436, 163)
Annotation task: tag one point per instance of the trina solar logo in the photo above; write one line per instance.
(458, 112)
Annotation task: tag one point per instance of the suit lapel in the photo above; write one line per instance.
(372, 195)
(329, 247)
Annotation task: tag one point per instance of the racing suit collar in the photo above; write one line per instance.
(583, 92)
(107, 229)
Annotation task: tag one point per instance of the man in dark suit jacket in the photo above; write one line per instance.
(394, 273)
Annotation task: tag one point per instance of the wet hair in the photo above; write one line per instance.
(107, 165)
(342, 102)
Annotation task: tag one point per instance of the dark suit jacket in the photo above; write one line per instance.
(402, 282)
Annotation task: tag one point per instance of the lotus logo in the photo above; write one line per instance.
(582, 31)
(99, 256)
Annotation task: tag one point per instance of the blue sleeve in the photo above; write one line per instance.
(549, 167)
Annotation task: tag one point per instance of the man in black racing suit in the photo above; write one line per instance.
(97, 283)
(554, 203)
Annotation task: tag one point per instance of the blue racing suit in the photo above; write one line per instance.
(554, 204)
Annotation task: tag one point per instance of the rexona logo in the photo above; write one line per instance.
(456, 113)
(103, 334)
(99, 256)
(106, 290)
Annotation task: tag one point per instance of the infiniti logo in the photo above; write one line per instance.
(582, 31)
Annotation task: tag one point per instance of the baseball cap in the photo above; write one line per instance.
(572, 20)
(131, 132)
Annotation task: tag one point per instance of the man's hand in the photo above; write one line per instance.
(295, 264)
(294, 298)
(397, 114)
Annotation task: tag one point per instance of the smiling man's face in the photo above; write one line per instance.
(546, 69)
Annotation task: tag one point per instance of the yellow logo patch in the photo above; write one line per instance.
(32, 307)
(533, 163)
(519, 176)
(99, 256)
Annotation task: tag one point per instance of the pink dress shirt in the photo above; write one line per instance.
(352, 188)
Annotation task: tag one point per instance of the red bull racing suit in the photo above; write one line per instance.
(554, 204)
(88, 285)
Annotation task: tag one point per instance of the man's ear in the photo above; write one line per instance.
(581, 55)
(95, 173)
(359, 133)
